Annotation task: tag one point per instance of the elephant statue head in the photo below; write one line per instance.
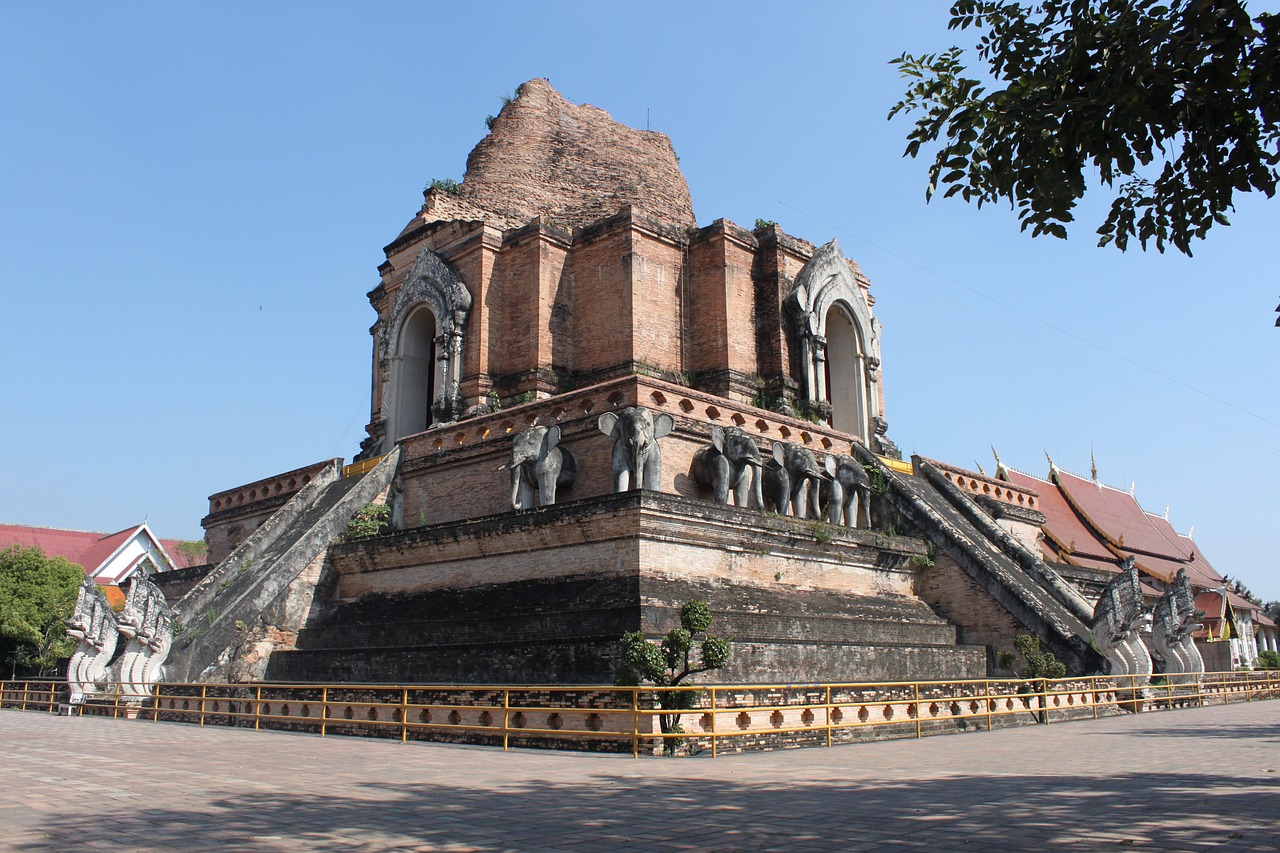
(730, 464)
(538, 461)
(848, 490)
(637, 458)
(793, 480)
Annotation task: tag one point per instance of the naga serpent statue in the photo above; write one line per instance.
(1118, 623)
(146, 622)
(1174, 620)
(93, 625)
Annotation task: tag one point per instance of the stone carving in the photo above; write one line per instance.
(1118, 623)
(431, 281)
(93, 625)
(793, 480)
(826, 280)
(1174, 621)
(146, 623)
(539, 461)
(848, 490)
(731, 464)
(637, 458)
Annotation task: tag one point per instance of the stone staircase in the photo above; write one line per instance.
(1016, 579)
(235, 596)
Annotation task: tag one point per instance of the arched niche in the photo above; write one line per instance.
(846, 375)
(837, 344)
(414, 370)
(420, 344)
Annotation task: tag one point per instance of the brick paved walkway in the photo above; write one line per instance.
(1182, 780)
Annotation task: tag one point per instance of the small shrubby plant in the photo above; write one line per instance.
(671, 661)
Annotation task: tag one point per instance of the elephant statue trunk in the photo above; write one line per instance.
(793, 481)
(539, 463)
(731, 464)
(848, 491)
(637, 458)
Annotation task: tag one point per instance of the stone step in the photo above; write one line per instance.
(595, 662)
(241, 588)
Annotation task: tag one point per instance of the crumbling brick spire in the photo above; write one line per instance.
(572, 164)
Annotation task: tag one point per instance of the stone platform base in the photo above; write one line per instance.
(543, 596)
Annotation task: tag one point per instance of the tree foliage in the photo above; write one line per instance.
(1037, 663)
(1175, 106)
(196, 551)
(369, 522)
(672, 660)
(36, 594)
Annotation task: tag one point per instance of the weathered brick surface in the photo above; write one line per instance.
(576, 240)
(451, 472)
(543, 596)
(571, 163)
(954, 594)
(235, 513)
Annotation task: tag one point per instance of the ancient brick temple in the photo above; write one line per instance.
(561, 285)
(570, 255)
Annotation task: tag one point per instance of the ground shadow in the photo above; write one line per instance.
(620, 811)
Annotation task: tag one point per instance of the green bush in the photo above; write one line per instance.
(670, 661)
(1038, 663)
(1268, 660)
(369, 522)
(36, 594)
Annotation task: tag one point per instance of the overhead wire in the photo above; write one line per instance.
(1046, 323)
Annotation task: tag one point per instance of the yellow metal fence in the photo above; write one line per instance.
(642, 720)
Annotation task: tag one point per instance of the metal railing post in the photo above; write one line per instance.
(506, 712)
(635, 722)
(828, 715)
(986, 701)
(257, 708)
(915, 705)
(324, 709)
(203, 693)
(404, 714)
(714, 752)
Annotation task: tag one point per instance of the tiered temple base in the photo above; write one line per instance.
(543, 596)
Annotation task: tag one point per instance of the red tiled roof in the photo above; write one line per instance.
(1063, 525)
(180, 560)
(1239, 602)
(1117, 516)
(105, 547)
(1264, 620)
(84, 547)
(1203, 568)
(1091, 563)
(71, 544)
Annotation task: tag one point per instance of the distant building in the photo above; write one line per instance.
(1091, 527)
(109, 558)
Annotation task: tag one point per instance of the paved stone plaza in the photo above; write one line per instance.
(1184, 780)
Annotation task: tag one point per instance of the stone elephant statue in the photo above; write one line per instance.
(538, 461)
(848, 491)
(731, 464)
(792, 481)
(637, 458)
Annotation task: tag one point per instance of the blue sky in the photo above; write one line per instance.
(196, 197)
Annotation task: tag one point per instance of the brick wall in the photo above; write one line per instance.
(955, 595)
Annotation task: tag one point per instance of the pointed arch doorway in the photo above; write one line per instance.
(846, 376)
(414, 370)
